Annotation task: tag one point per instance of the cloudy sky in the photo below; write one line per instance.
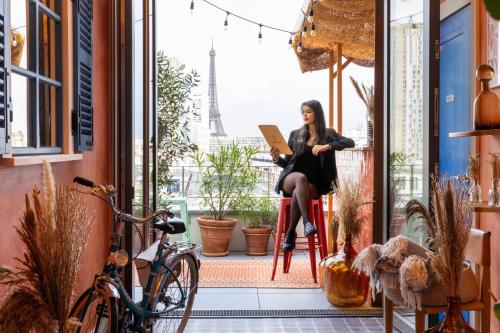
(257, 83)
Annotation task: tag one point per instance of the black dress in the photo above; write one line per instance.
(326, 176)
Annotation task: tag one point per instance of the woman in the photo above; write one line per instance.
(311, 170)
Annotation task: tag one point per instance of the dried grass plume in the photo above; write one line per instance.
(473, 168)
(350, 201)
(453, 216)
(54, 230)
(367, 95)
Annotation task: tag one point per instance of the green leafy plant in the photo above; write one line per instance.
(260, 212)
(493, 7)
(227, 178)
(175, 111)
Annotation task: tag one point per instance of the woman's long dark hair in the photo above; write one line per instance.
(319, 121)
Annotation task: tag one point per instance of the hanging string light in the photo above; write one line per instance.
(310, 17)
(261, 25)
(225, 22)
(313, 29)
(299, 47)
(290, 41)
(304, 30)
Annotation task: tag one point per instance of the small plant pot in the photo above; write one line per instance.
(257, 240)
(215, 235)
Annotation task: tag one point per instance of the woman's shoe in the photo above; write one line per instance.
(289, 244)
(309, 229)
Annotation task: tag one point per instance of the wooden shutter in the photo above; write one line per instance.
(4, 62)
(84, 110)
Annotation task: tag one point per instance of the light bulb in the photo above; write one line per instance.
(310, 17)
(313, 29)
(290, 42)
(299, 48)
(225, 25)
(191, 7)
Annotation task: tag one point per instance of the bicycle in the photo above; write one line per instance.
(171, 286)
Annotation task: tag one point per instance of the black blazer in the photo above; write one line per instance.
(327, 159)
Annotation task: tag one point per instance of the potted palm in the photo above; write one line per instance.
(227, 178)
(259, 214)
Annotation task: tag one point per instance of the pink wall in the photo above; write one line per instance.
(16, 181)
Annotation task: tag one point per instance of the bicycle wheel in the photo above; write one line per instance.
(167, 294)
(96, 311)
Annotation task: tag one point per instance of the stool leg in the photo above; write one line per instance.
(312, 245)
(287, 256)
(322, 228)
(277, 245)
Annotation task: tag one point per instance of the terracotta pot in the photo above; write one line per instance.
(453, 320)
(343, 285)
(257, 240)
(215, 235)
(486, 104)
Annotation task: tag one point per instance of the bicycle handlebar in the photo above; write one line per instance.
(109, 190)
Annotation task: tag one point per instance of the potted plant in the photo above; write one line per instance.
(227, 178)
(259, 214)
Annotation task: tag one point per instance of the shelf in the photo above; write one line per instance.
(484, 208)
(474, 133)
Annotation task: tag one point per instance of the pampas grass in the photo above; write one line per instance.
(453, 217)
(367, 95)
(495, 167)
(448, 229)
(54, 231)
(350, 201)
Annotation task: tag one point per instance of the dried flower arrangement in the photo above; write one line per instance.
(367, 95)
(495, 166)
(453, 216)
(41, 290)
(473, 168)
(449, 228)
(350, 201)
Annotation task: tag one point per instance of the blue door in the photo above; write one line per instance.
(454, 95)
(454, 92)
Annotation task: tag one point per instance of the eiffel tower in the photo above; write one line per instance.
(215, 122)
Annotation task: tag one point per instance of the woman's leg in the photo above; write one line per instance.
(296, 183)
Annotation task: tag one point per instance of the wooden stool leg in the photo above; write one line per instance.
(419, 321)
(277, 245)
(388, 313)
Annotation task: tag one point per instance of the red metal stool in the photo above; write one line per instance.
(317, 217)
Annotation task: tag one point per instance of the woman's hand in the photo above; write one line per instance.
(275, 154)
(318, 149)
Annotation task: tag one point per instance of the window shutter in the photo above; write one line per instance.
(84, 110)
(4, 56)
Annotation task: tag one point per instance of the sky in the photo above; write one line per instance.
(256, 83)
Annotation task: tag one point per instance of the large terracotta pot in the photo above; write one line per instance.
(215, 235)
(257, 240)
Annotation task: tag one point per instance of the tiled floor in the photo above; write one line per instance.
(286, 325)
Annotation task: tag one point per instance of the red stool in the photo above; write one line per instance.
(317, 218)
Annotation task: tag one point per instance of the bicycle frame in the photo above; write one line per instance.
(110, 280)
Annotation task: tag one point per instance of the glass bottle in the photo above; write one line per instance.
(493, 194)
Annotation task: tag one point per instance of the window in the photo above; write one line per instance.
(36, 74)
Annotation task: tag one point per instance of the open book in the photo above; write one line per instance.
(275, 139)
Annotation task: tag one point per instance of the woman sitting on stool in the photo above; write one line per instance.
(311, 170)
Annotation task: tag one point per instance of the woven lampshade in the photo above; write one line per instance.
(350, 22)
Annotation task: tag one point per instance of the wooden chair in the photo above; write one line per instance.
(477, 251)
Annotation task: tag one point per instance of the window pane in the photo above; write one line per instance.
(406, 112)
(47, 50)
(54, 5)
(19, 94)
(47, 116)
(19, 43)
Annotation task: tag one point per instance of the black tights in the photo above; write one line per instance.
(301, 190)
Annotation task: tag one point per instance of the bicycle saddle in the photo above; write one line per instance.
(174, 225)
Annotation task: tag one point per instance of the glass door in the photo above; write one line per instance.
(406, 115)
